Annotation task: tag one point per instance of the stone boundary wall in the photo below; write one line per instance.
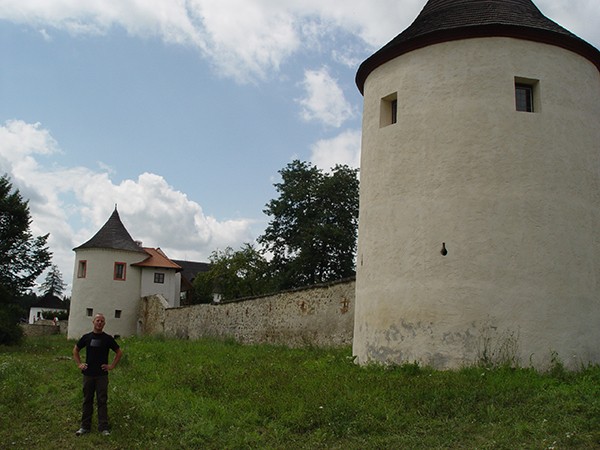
(152, 315)
(321, 315)
(44, 328)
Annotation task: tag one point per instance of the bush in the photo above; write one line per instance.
(10, 331)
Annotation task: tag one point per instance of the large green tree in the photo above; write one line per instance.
(23, 257)
(313, 230)
(233, 274)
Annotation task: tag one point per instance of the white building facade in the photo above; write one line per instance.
(479, 226)
(48, 303)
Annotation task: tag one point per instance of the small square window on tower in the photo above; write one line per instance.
(527, 95)
(389, 110)
(89, 312)
(82, 269)
(119, 273)
(117, 313)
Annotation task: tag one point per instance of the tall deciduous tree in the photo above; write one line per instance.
(23, 257)
(313, 230)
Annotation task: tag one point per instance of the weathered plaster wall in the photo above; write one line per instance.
(169, 289)
(152, 315)
(321, 315)
(514, 195)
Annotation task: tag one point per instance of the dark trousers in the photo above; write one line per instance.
(99, 387)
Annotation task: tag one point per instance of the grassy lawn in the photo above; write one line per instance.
(210, 394)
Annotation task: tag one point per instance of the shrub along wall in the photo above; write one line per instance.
(321, 315)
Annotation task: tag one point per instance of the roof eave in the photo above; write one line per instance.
(392, 51)
(156, 266)
(106, 247)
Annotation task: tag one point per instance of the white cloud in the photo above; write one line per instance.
(73, 203)
(45, 35)
(24, 139)
(375, 23)
(580, 17)
(342, 149)
(324, 100)
(249, 39)
(245, 38)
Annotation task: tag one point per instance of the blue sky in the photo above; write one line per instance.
(182, 112)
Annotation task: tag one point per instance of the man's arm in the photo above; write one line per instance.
(118, 354)
(77, 358)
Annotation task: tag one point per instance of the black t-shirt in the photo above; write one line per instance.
(97, 347)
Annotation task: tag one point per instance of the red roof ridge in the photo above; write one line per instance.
(158, 259)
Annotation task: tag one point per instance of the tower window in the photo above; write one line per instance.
(159, 277)
(119, 271)
(524, 97)
(527, 95)
(117, 313)
(81, 269)
(89, 312)
(389, 110)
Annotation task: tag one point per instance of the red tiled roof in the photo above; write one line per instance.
(157, 259)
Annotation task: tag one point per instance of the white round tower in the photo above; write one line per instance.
(105, 281)
(479, 226)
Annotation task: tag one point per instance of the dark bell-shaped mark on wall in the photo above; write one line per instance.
(444, 251)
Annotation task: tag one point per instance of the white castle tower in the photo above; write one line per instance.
(479, 228)
(112, 273)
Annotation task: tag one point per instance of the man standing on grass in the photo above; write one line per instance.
(95, 373)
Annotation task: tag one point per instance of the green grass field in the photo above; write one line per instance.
(208, 394)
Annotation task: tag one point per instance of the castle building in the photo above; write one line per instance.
(112, 273)
(479, 223)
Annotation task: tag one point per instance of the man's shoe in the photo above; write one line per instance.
(81, 431)
(105, 433)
